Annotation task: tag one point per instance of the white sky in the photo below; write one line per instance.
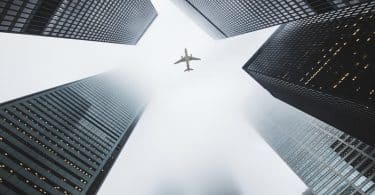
(194, 138)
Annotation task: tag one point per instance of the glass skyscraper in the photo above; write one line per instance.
(324, 65)
(64, 140)
(326, 159)
(223, 18)
(115, 21)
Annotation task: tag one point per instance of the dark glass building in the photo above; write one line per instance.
(327, 160)
(115, 21)
(223, 18)
(324, 65)
(65, 140)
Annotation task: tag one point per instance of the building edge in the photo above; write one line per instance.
(95, 186)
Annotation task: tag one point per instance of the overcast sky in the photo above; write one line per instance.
(194, 138)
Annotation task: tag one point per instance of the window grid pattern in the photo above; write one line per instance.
(327, 63)
(325, 158)
(117, 21)
(59, 141)
(243, 16)
(14, 15)
(327, 68)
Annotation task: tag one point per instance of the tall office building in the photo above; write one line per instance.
(326, 159)
(115, 21)
(223, 18)
(65, 140)
(325, 67)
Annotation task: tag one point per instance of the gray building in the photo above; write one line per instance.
(227, 18)
(326, 159)
(64, 140)
(115, 21)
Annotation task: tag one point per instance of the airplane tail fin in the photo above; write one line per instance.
(188, 70)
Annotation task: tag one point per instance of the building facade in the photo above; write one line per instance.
(324, 67)
(326, 159)
(223, 18)
(64, 140)
(116, 21)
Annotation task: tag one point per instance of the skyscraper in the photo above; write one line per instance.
(64, 140)
(223, 18)
(325, 67)
(114, 21)
(326, 159)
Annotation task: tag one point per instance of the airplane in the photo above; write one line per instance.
(187, 58)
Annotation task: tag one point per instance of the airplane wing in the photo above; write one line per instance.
(194, 58)
(179, 61)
